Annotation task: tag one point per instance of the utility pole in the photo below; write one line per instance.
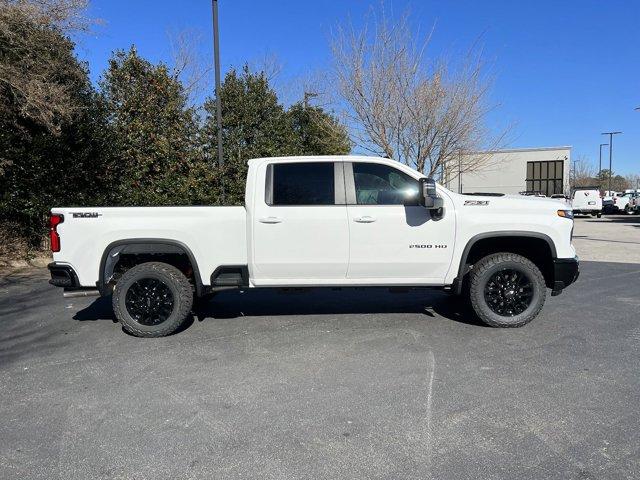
(600, 164)
(216, 61)
(611, 134)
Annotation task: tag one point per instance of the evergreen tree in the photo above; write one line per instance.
(137, 141)
(54, 141)
(317, 132)
(255, 124)
(155, 130)
(618, 182)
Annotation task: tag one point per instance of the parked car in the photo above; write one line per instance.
(318, 222)
(623, 203)
(587, 201)
(609, 201)
(607, 204)
(634, 203)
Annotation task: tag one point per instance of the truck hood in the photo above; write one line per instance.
(526, 198)
(519, 201)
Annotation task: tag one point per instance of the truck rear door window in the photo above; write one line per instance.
(309, 183)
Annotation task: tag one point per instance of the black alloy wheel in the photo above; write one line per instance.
(149, 301)
(508, 292)
(153, 299)
(506, 289)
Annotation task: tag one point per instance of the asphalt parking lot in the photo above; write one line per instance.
(612, 238)
(328, 384)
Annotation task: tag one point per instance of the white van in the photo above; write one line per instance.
(586, 200)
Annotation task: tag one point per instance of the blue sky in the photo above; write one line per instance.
(565, 71)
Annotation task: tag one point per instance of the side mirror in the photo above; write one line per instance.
(429, 197)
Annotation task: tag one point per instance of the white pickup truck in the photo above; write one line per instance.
(318, 222)
(587, 201)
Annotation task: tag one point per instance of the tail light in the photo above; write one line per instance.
(54, 237)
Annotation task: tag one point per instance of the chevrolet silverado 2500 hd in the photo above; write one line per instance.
(318, 222)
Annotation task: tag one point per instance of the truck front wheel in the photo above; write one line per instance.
(152, 299)
(506, 290)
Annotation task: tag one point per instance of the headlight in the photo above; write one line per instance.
(566, 214)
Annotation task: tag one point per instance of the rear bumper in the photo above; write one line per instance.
(565, 272)
(63, 276)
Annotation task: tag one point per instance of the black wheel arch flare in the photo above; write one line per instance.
(144, 245)
(457, 282)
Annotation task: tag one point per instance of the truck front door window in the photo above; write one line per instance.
(378, 184)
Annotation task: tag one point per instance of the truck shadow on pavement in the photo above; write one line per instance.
(319, 301)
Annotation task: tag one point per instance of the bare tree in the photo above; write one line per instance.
(583, 173)
(269, 64)
(67, 15)
(402, 105)
(30, 71)
(634, 180)
(188, 64)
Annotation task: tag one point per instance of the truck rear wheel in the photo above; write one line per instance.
(152, 299)
(506, 290)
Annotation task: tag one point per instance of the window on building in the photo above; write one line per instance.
(545, 177)
(378, 184)
(308, 183)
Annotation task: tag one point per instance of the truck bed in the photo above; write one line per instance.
(208, 232)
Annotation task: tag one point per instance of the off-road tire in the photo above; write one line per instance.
(627, 210)
(170, 276)
(482, 272)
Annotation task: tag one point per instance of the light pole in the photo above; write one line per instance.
(611, 134)
(600, 164)
(216, 61)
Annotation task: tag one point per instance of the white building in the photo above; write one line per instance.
(544, 170)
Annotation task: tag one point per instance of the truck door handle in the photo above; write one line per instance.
(270, 220)
(364, 219)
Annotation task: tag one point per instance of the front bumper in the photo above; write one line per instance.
(565, 272)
